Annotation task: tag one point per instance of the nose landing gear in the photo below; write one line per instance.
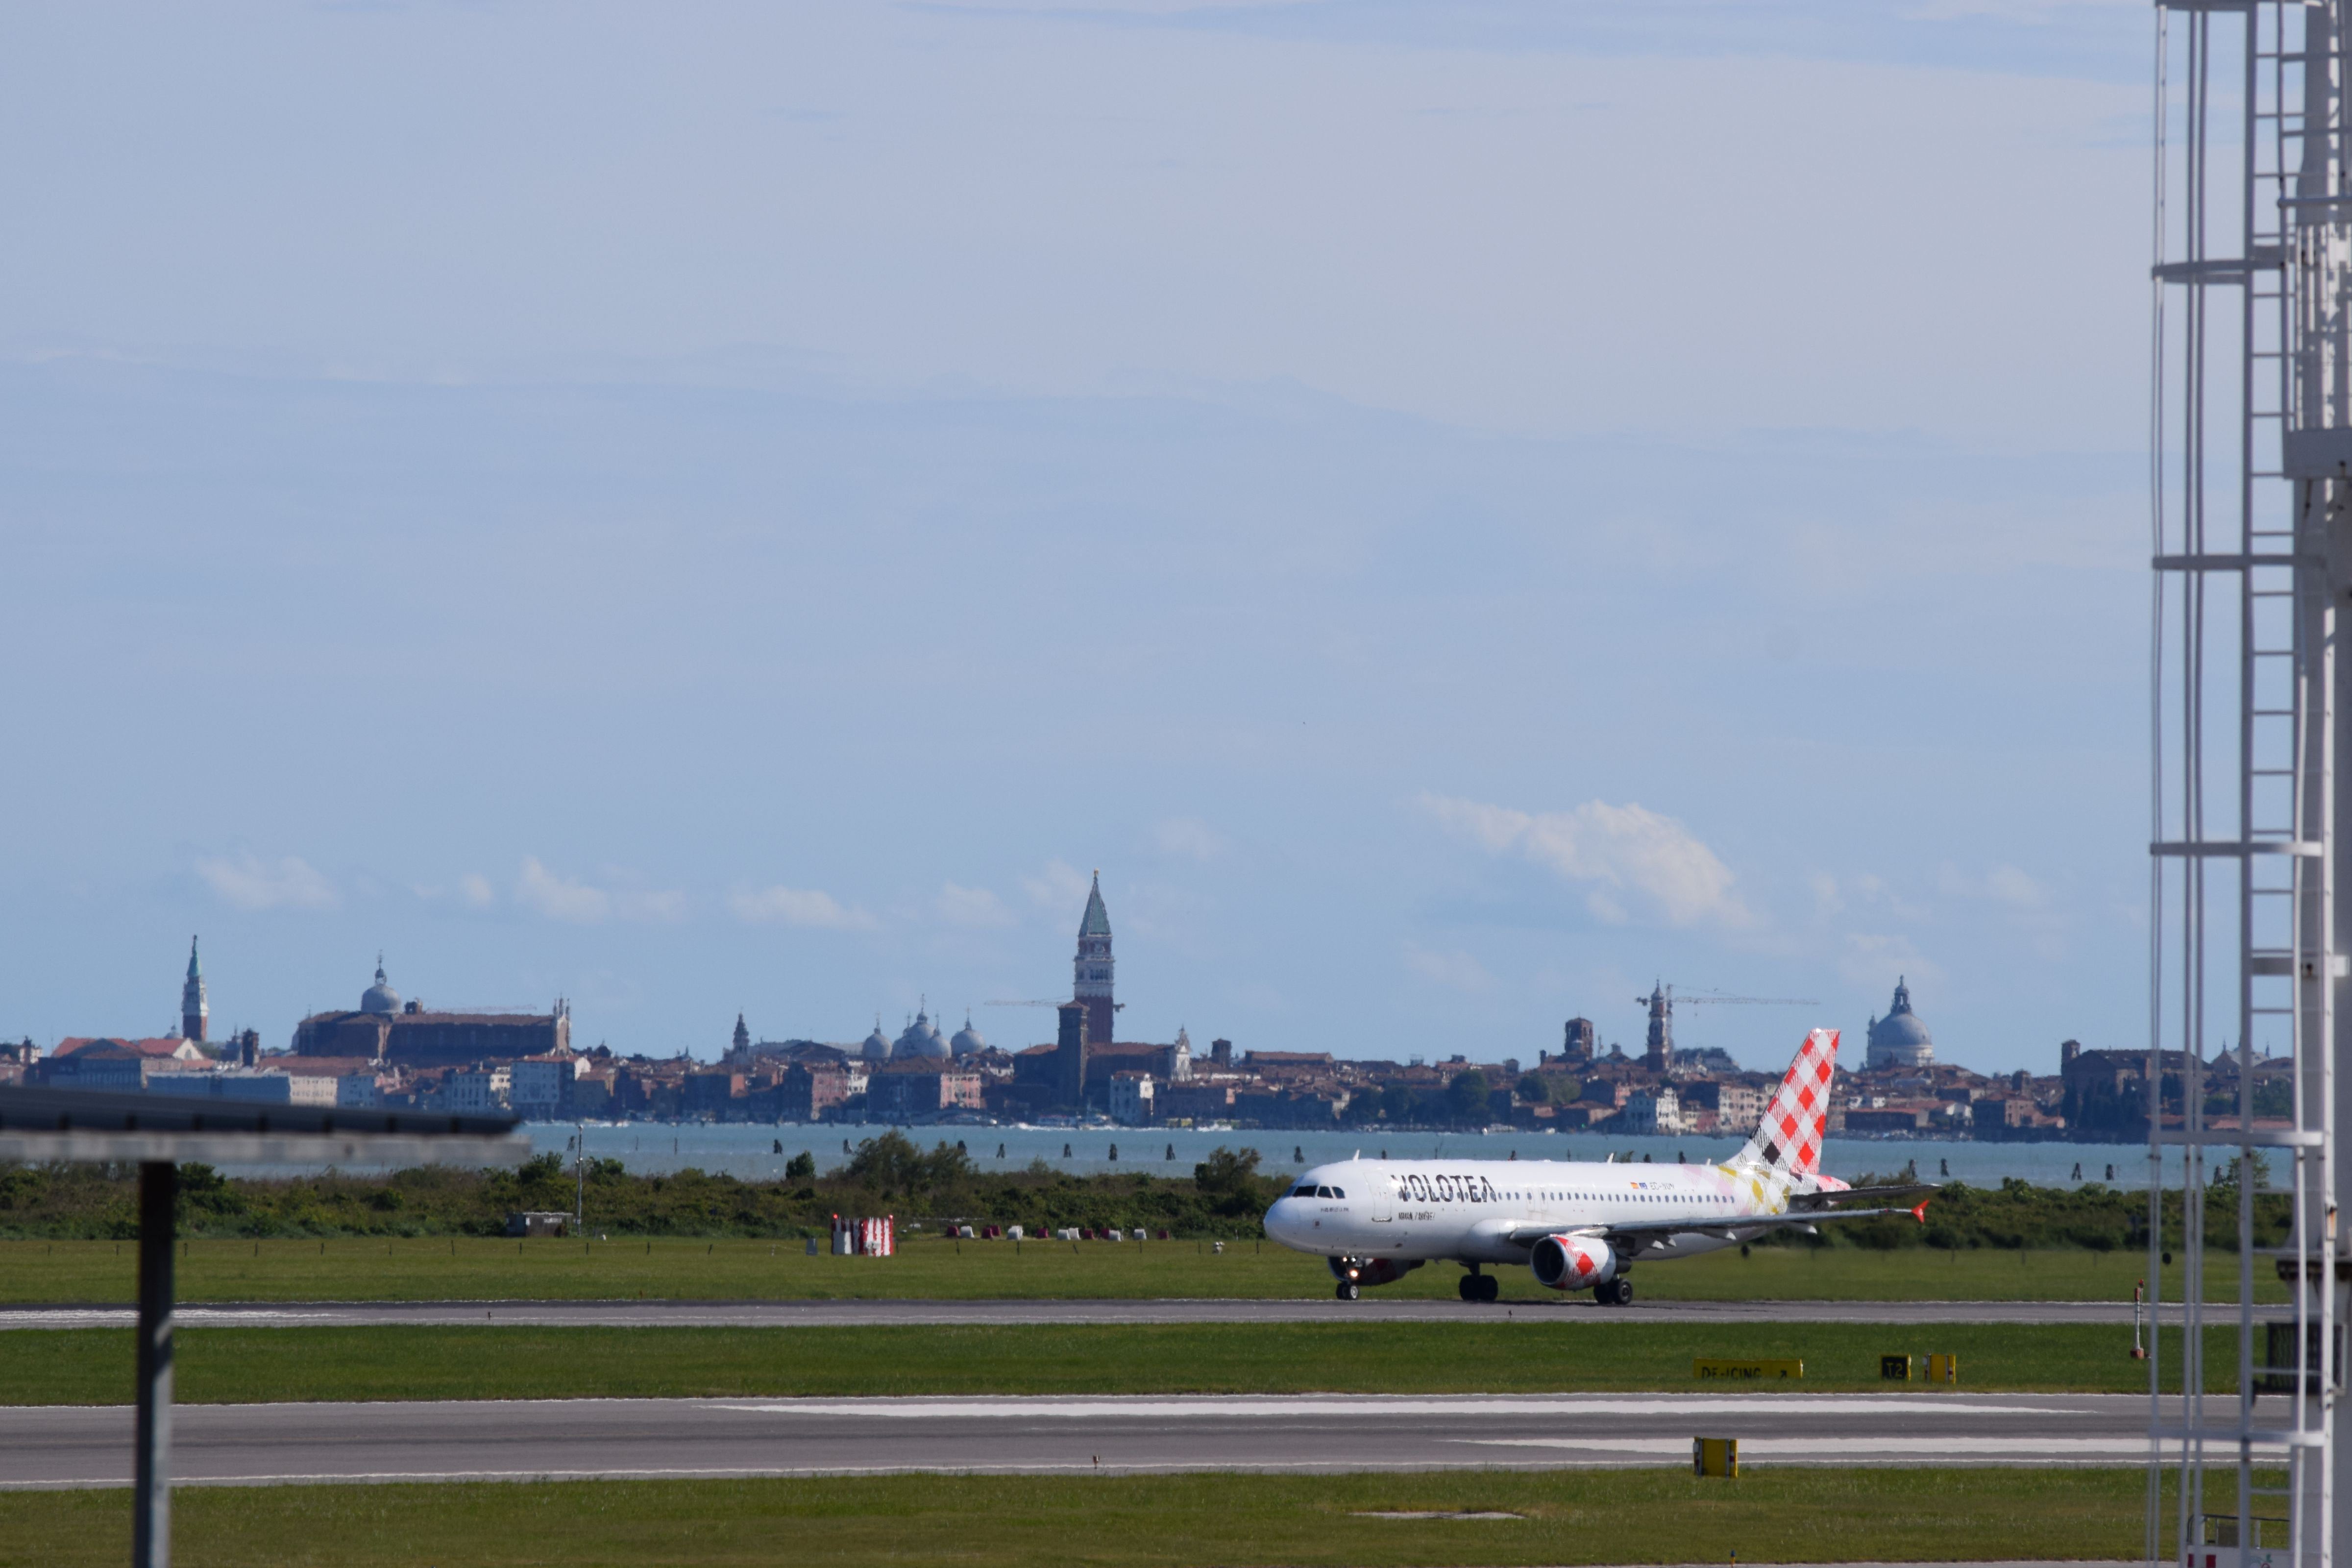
(1348, 1291)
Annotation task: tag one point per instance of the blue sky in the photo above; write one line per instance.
(1457, 511)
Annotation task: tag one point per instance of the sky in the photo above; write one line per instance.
(1459, 511)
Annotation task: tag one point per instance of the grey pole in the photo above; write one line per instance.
(150, 1520)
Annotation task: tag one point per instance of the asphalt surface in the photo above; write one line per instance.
(835, 1313)
(86, 1446)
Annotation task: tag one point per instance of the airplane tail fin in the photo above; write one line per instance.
(1789, 1137)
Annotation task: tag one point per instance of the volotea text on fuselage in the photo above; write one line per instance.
(1579, 1226)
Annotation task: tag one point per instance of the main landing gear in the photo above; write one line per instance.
(1480, 1288)
(1617, 1292)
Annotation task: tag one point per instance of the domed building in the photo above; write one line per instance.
(385, 1028)
(876, 1045)
(966, 1041)
(922, 1039)
(379, 998)
(1900, 1039)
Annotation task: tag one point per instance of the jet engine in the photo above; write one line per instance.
(1370, 1270)
(1572, 1262)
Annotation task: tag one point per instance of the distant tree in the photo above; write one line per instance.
(894, 1163)
(800, 1167)
(1465, 1096)
(1229, 1184)
(1533, 1089)
(1225, 1170)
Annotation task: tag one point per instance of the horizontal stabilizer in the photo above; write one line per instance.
(1825, 1200)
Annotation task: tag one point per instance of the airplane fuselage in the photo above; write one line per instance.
(1482, 1211)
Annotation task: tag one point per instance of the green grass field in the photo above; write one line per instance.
(472, 1269)
(93, 1366)
(1140, 1521)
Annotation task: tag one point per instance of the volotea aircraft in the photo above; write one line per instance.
(1579, 1226)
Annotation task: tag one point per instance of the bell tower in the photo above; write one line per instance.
(194, 1011)
(1659, 1042)
(1092, 986)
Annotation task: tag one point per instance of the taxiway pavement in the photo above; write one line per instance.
(840, 1313)
(256, 1445)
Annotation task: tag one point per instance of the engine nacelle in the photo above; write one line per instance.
(1572, 1262)
(1370, 1270)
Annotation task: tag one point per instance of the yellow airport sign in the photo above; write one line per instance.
(1719, 1368)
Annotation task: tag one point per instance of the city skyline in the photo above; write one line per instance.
(194, 1012)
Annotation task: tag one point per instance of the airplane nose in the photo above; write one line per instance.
(1278, 1220)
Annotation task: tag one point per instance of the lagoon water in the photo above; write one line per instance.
(750, 1152)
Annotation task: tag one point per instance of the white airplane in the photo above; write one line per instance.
(1577, 1224)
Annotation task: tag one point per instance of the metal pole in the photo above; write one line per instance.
(151, 1503)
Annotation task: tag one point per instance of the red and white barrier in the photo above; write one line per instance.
(865, 1238)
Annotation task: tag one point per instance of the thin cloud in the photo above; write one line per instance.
(1633, 862)
(1457, 970)
(1060, 885)
(1192, 839)
(577, 902)
(2030, 905)
(973, 906)
(560, 899)
(249, 882)
(808, 907)
(1870, 960)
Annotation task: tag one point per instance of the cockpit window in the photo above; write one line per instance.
(1322, 1192)
(1307, 1191)
(1339, 1192)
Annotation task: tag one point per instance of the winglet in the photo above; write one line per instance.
(1920, 1214)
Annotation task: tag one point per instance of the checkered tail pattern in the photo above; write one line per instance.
(1789, 1137)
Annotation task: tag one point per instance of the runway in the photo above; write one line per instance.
(261, 1445)
(841, 1313)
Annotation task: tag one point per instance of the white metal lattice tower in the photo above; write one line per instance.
(2251, 481)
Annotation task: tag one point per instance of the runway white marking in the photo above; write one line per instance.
(1790, 1447)
(1670, 1405)
(624, 1473)
(124, 1318)
(1428, 1513)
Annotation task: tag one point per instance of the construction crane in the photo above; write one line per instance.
(1665, 995)
(1746, 1001)
(1660, 1045)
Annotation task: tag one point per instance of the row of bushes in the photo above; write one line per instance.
(1224, 1198)
(2017, 1214)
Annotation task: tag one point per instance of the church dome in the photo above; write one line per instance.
(876, 1047)
(1900, 1038)
(379, 998)
(966, 1041)
(922, 1038)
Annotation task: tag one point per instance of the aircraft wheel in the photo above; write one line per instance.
(1349, 1291)
(1623, 1294)
(1468, 1286)
(1490, 1288)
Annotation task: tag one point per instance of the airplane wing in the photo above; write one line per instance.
(1820, 1202)
(1654, 1229)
